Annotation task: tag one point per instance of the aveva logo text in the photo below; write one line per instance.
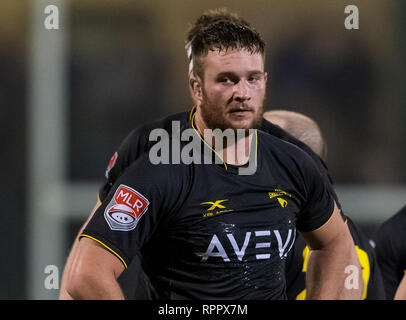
(258, 242)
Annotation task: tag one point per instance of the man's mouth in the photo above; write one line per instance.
(240, 112)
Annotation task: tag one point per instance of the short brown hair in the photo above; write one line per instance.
(220, 30)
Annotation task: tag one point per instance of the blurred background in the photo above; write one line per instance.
(69, 96)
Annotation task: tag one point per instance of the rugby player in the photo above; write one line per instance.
(307, 130)
(202, 230)
(391, 253)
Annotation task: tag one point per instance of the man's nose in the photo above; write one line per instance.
(241, 91)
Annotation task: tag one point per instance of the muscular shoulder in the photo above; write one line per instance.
(280, 133)
(143, 131)
(161, 174)
(134, 145)
(284, 150)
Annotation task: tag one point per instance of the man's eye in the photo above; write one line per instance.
(225, 80)
(253, 79)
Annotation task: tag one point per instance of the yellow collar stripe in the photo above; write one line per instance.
(201, 138)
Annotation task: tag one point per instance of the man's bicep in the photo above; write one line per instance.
(330, 231)
(93, 255)
(94, 273)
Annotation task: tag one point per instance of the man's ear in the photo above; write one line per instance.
(195, 87)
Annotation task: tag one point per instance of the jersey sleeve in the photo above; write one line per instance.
(139, 203)
(131, 148)
(319, 202)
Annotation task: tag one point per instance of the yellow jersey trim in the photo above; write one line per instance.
(324, 222)
(365, 267)
(201, 138)
(107, 247)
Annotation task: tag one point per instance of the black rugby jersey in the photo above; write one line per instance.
(390, 241)
(296, 265)
(205, 232)
(138, 142)
(135, 144)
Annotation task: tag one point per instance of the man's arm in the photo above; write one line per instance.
(63, 294)
(332, 251)
(94, 273)
(401, 290)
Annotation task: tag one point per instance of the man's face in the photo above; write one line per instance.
(233, 89)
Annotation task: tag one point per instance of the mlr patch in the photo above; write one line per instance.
(125, 209)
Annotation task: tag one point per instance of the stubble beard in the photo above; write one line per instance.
(212, 115)
(214, 118)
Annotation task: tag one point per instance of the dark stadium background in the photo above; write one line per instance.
(69, 96)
